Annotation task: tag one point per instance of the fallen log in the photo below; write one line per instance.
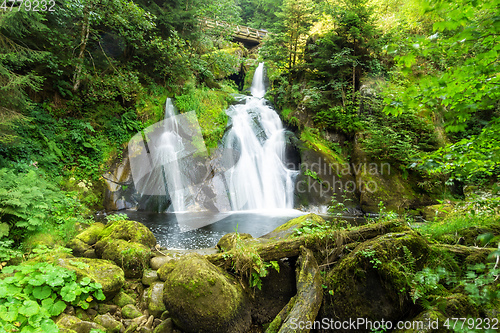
(304, 306)
(290, 247)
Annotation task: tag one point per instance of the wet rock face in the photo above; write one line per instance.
(119, 186)
(203, 298)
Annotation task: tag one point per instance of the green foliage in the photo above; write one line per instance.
(116, 217)
(248, 263)
(477, 283)
(210, 106)
(372, 256)
(31, 294)
(460, 60)
(30, 203)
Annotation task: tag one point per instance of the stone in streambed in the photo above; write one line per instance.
(132, 257)
(202, 297)
(155, 299)
(166, 326)
(131, 312)
(122, 299)
(157, 262)
(149, 276)
(109, 323)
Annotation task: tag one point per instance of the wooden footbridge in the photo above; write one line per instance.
(243, 34)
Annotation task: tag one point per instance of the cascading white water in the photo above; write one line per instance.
(260, 179)
(170, 147)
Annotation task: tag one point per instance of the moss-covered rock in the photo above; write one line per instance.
(122, 298)
(429, 321)
(158, 261)
(129, 311)
(228, 241)
(105, 272)
(166, 326)
(202, 297)
(286, 230)
(155, 299)
(49, 239)
(373, 281)
(109, 323)
(90, 235)
(131, 231)
(149, 276)
(78, 247)
(132, 257)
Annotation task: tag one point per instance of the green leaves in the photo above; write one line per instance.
(32, 293)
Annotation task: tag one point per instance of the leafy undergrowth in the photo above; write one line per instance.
(210, 106)
(31, 294)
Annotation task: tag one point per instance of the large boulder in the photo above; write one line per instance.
(371, 282)
(130, 231)
(201, 297)
(106, 273)
(132, 257)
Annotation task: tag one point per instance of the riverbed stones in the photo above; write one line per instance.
(122, 299)
(155, 299)
(228, 241)
(202, 297)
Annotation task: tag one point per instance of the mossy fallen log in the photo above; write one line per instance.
(290, 247)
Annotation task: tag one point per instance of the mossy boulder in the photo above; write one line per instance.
(109, 323)
(288, 229)
(91, 235)
(105, 272)
(132, 257)
(202, 297)
(130, 231)
(371, 282)
(78, 247)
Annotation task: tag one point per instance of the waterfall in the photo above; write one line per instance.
(260, 179)
(246, 173)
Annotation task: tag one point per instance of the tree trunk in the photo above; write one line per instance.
(83, 45)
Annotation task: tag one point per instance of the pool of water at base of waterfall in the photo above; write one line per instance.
(188, 230)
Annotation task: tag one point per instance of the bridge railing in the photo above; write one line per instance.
(238, 30)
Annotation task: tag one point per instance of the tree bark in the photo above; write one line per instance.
(84, 38)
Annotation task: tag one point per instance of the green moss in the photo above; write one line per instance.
(198, 294)
(42, 238)
(313, 140)
(130, 231)
(287, 229)
(122, 299)
(132, 257)
(373, 281)
(90, 235)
